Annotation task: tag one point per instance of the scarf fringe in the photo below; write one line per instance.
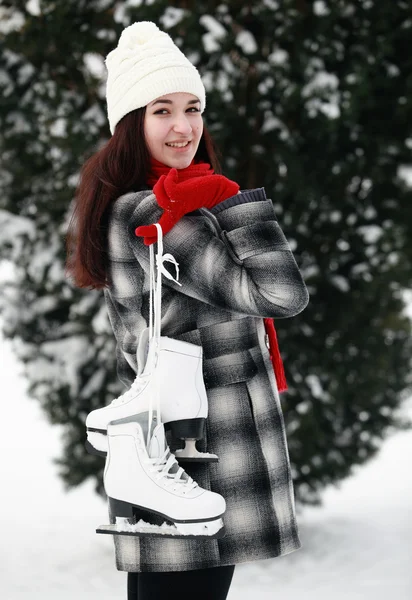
(275, 356)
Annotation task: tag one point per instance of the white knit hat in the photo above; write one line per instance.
(145, 65)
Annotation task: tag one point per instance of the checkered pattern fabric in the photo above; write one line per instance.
(235, 267)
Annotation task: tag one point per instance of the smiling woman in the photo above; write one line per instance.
(173, 132)
(182, 518)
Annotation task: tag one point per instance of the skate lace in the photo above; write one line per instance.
(162, 466)
(155, 310)
(137, 385)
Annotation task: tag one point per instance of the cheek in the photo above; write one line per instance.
(199, 130)
(155, 132)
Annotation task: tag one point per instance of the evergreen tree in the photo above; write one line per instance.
(310, 100)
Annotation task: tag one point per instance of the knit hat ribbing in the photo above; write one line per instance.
(145, 65)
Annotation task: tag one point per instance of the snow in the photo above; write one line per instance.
(356, 546)
(215, 33)
(405, 173)
(272, 122)
(370, 233)
(343, 245)
(335, 216)
(265, 85)
(246, 40)
(10, 20)
(340, 282)
(14, 226)
(95, 65)
(171, 17)
(183, 529)
(407, 298)
(271, 4)
(33, 7)
(317, 391)
(58, 128)
(24, 74)
(320, 9)
(324, 83)
(278, 57)
(95, 118)
(133, 3)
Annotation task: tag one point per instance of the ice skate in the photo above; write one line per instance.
(149, 493)
(174, 367)
(183, 399)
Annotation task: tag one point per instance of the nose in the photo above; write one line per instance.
(182, 125)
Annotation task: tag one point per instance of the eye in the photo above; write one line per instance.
(164, 109)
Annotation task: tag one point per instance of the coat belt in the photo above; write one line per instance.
(226, 356)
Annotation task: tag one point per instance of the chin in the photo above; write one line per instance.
(182, 163)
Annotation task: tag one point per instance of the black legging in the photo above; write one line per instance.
(202, 584)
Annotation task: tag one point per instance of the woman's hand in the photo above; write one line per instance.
(179, 198)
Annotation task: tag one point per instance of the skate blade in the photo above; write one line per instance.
(203, 457)
(207, 530)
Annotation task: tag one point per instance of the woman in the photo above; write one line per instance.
(235, 269)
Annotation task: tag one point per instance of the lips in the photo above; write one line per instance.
(178, 149)
(182, 142)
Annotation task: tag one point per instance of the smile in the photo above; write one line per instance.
(178, 144)
(180, 148)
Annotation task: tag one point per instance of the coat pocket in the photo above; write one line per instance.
(228, 368)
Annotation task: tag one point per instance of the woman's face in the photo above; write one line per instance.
(173, 118)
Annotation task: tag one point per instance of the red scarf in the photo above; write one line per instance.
(157, 169)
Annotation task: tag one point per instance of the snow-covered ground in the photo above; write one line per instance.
(357, 546)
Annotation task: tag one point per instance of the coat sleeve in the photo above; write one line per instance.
(126, 363)
(243, 265)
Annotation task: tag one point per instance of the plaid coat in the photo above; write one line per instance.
(235, 267)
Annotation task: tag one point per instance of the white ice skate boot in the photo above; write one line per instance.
(149, 494)
(183, 399)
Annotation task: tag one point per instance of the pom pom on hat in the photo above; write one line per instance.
(145, 65)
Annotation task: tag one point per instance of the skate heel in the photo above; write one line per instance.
(96, 442)
(119, 508)
(92, 450)
(126, 514)
(192, 429)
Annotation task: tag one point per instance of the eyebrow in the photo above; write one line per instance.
(170, 102)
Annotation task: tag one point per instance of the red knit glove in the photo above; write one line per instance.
(178, 199)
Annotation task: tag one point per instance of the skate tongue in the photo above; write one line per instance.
(157, 443)
(157, 447)
(142, 350)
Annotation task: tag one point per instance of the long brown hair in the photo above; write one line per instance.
(119, 167)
